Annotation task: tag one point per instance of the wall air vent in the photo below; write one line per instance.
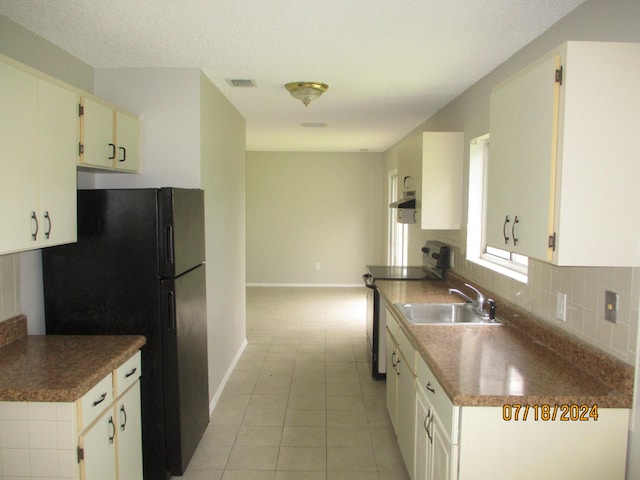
(242, 83)
(314, 125)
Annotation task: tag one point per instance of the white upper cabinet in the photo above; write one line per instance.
(430, 164)
(563, 162)
(110, 138)
(39, 140)
(441, 194)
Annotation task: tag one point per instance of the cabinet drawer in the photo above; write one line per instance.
(127, 374)
(448, 413)
(95, 401)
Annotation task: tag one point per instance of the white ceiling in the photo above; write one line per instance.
(390, 64)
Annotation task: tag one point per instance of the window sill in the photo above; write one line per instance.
(507, 272)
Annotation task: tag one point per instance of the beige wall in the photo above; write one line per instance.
(30, 49)
(308, 208)
(222, 167)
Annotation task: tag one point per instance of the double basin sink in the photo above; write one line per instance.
(442, 314)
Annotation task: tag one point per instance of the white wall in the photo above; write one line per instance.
(308, 208)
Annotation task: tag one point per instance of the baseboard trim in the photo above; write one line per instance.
(225, 379)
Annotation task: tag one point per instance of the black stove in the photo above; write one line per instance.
(435, 260)
(385, 272)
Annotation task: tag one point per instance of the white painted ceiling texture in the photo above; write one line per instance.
(390, 64)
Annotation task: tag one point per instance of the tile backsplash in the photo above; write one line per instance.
(585, 288)
(9, 286)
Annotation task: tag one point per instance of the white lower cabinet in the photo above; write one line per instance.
(436, 419)
(111, 448)
(129, 435)
(97, 437)
(97, 451)
(496, 443)
(400, 389)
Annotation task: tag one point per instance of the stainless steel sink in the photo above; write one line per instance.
(442, 314)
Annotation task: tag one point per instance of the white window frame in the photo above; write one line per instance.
(501, 261)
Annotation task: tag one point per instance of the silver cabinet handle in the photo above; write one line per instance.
(513, 231)
(430, 388)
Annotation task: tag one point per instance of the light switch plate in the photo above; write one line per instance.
(611, 306)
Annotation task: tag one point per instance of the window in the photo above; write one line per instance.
(398, 232)
(502, 261)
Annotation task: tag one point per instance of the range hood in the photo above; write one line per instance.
(408, 200)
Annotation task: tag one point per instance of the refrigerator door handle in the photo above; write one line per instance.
(171, 296)
(169, 238)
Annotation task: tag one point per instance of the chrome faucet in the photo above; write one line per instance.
(477, 305)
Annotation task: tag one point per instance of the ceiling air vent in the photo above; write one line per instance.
(314, 125)
(242, 82)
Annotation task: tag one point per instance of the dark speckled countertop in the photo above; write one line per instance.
(523, 361)
(57, 368)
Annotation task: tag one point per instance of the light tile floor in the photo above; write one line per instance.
(301, 403)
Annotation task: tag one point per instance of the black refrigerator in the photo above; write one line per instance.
(138, 268)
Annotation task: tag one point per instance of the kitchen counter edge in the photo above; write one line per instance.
(619, 388)
(60, 368)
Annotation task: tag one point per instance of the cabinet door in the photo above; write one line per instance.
(127, 142)
(442, 453)
(58, 144)
(96, 134)
(98, 447)
(406, 411)
(522, 156)
(18, 161)
(392, 380)
(129, 439)
(422, 437)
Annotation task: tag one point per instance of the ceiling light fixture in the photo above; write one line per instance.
(306, 91)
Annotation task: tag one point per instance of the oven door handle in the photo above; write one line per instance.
(369, 281)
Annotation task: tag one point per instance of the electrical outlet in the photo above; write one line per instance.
(611, 306)
(317, 265)
(451, 259)
(561, 306)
